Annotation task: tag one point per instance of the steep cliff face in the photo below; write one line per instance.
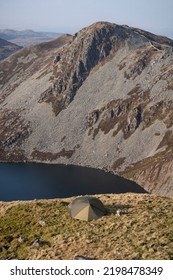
(102, 98)
(72, 66)
(92, 46)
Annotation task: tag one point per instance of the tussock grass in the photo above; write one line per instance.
(144, 230)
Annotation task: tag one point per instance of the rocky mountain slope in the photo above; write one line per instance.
(102, 98)
(7, 48)
(27, 37)
(43, 229)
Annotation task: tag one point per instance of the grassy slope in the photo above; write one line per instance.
(143, 231)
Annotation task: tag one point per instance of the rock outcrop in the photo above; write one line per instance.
(101, 98)
(72, 66)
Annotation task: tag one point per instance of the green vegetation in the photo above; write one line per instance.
(43, 229)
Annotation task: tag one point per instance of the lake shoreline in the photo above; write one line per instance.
(25, 181)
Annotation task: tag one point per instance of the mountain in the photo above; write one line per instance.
(7, 48)
(27, 37)
(101, 98)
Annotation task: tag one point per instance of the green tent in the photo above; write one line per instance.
(86, 208)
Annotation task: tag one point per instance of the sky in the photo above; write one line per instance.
(69, 16)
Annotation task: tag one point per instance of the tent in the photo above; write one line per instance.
(86, 208)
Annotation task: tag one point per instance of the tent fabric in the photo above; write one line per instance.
(86, 208)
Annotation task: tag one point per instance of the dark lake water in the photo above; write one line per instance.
(22, 181)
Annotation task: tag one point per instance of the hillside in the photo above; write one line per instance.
(43, 229)
(7, 48)
(102, 98)
(27, 37)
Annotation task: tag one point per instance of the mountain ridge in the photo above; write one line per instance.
(27, 37)
(7, 48)
(101, 98)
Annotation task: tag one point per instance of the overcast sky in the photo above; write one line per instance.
(68, 16)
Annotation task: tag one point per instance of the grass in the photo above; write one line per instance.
(143, 231)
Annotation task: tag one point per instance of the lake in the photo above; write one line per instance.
(23, 181)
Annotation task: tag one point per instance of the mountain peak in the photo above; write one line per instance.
(99, 25)
(110, 88)
(91, 46)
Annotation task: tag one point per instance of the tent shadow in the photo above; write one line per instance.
(117, 208)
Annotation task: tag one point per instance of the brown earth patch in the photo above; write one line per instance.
(162, 110)
(126, 114)
(149, 171)
(139, 59)
(135, 91)
(58, 102)
(14, 130)
(16, 155)
(167, 140)
(37, 155)
(48, 156)
(117, 163)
